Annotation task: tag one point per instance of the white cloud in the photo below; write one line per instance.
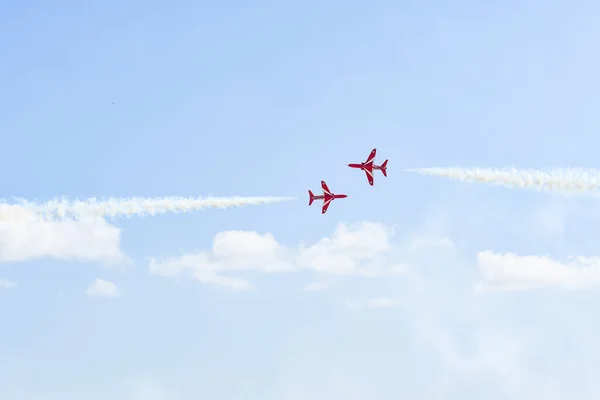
(510, 272)
(353, 250)
(364, 249)
(232, 251)
(24, 236)
(462, 344)
(102, 288)
(6, 284)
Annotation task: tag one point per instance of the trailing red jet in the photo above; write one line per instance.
(369, 166)
(327, 197)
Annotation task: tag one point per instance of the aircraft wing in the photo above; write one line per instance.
(325, 188)
(369, 173)
(326, 204)
(371, 158)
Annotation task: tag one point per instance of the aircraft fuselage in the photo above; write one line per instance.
(363, 166)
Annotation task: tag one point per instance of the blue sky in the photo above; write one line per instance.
(269, 98)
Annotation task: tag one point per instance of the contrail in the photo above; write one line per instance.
(557, 180)
(127, 207)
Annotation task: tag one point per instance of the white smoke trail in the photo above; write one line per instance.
(558, 180)
(126, 207)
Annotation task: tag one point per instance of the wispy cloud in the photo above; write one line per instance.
(510, 272)
(103, 289)
(24, 236)
(6, 284)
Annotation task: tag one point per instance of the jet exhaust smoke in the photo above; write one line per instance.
(556, 180)
(127, 207)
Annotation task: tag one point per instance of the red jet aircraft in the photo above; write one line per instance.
(368, 166)
(327, 197)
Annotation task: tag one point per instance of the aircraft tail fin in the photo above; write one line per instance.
(384, 168)
(311, 197)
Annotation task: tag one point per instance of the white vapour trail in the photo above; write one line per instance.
(559, 180)
(127, 207)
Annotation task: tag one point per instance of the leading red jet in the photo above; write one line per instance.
(327, 197)
(368, 166)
